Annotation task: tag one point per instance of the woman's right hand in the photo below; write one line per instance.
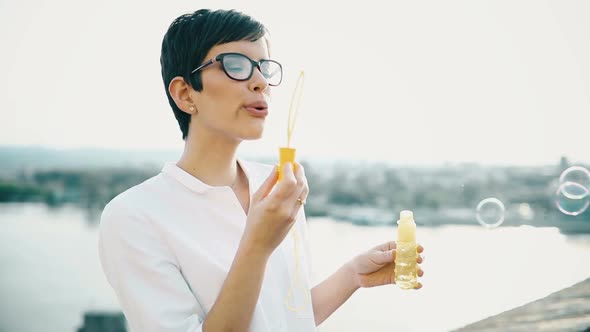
(272, 213)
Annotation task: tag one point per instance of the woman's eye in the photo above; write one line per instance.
(234, 68)
(234, 65)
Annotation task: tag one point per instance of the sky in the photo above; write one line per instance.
(429, 82)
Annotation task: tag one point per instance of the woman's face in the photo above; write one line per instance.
(230, 108)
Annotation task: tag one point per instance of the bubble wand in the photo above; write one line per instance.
(287, 155)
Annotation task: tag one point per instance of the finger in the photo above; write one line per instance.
(420, 248)
(300, 193)
(301, 183)
(299, 169)
(420, 259)
(418, 286)
(298, 203)
(301, 180)
(305, 180)
(420, 272)
(382, 257)
(267, 185)
(386, 246)
(285, 187)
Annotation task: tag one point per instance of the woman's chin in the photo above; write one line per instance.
(253, 135)
(255, 132)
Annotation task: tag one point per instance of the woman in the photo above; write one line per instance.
(203, 245)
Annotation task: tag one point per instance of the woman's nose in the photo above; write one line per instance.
(258, 82)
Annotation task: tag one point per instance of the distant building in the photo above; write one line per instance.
(563, 163)
(100, 321)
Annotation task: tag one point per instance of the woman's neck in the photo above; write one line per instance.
(211, 161)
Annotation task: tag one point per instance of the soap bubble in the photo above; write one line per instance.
(490, 212)
(575, 174)
(572, 206)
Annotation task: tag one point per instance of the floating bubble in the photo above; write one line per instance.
(490, 212)
(575, 174)
(572, 206)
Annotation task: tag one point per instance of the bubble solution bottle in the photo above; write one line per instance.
(406, 251)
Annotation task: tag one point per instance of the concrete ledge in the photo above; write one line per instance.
(564, 310)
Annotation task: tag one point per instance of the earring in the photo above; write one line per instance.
(191, 109)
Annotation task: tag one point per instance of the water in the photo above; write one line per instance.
(50, 272)
(405, 265)
(470, 273)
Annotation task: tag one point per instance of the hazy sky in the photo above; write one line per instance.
(405, 81)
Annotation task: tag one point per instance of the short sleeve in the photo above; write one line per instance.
(144, 275)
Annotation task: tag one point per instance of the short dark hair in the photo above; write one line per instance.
(188, 40)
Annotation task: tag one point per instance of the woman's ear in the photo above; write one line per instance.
(182, 94)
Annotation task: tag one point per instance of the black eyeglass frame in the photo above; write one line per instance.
(255, 64)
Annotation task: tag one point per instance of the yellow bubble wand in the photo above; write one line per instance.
(286, 155)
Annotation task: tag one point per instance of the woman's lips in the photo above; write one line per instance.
(257, 112)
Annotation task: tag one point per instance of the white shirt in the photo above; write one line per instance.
(167, 244)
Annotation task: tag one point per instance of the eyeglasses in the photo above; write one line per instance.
(239, 67)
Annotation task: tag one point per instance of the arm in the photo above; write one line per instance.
(151, 289)
(235, 304)
(144, 274)
(372, 268)
(332, 293)
(270, 217)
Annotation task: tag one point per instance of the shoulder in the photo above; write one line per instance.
(127, 230)
(140, 194)
(133, 204)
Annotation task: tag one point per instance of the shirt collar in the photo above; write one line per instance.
(193, 183)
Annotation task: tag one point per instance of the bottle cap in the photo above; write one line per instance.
(406, 215)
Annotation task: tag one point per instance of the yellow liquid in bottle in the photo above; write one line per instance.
(406, 268)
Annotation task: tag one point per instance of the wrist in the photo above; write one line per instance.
(251, 250)
(350, 276)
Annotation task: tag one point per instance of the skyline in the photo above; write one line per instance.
(106, 156)
(492, 83)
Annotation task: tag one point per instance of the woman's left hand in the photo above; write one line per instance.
(376, 266)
